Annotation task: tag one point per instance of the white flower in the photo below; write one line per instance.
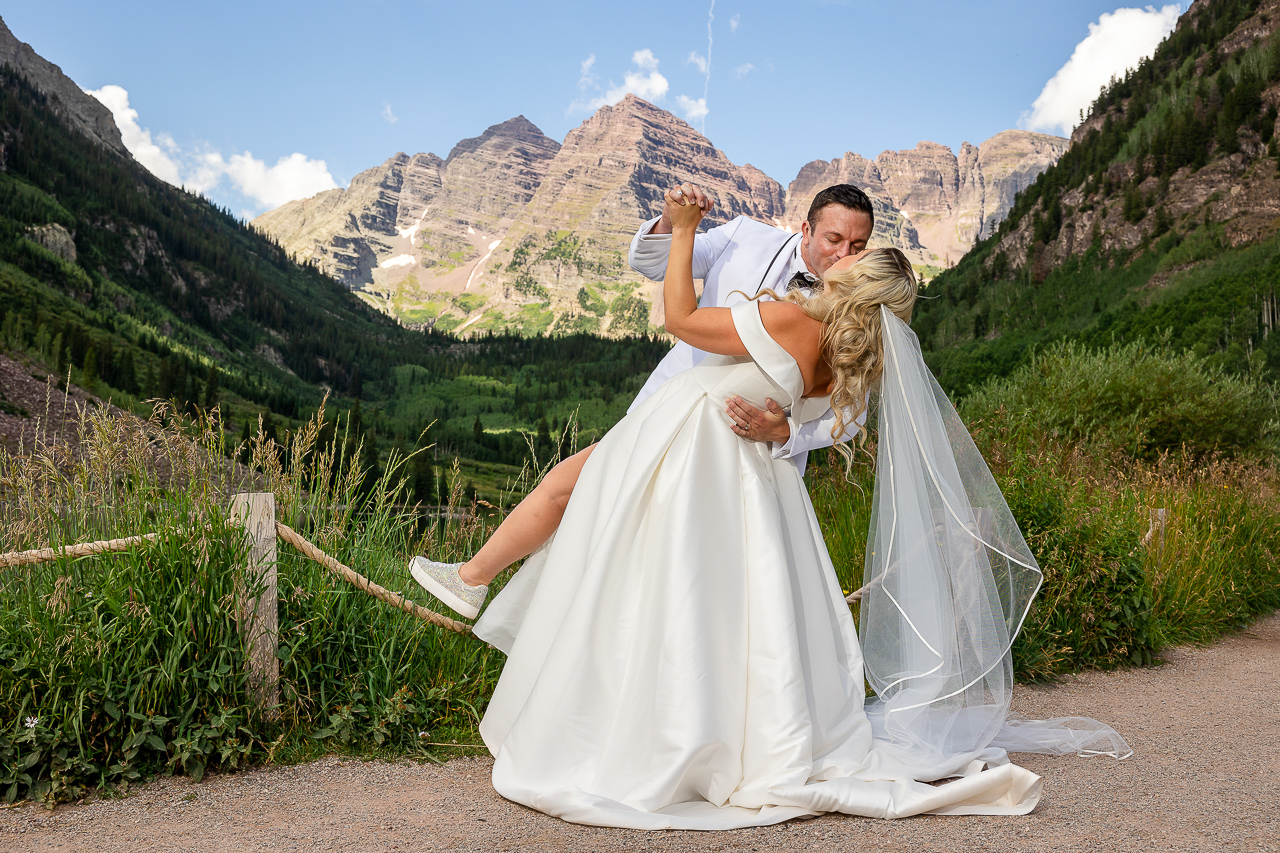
(32, 722)
(423, 734)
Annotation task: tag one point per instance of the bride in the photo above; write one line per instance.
(680, 653)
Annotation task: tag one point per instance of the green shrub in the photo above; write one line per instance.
(1094, 608)
(1134, 399)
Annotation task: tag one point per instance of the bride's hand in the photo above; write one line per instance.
(682, 203)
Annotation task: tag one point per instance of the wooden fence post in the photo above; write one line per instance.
(257, 617)
(1155, 533)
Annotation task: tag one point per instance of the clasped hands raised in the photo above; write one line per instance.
(685, 206)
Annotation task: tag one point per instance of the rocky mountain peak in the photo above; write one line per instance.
(613, 169)
(417, 213)
(80, 110)
(513, 131)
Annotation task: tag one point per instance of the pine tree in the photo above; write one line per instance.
(90, 365)
(245, 437)
(166, 382)
(209, 398)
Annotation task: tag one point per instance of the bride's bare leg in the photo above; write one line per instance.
(529, 525)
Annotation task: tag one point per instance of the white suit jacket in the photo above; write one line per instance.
(741, 255)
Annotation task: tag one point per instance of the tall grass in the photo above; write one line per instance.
(116, 667)
(1118, 587)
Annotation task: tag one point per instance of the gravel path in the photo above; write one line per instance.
(1206, 777)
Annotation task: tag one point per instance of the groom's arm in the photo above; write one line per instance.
(649, 252)
(787, 437)
(813, 435)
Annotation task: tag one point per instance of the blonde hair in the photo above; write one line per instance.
(848, 306)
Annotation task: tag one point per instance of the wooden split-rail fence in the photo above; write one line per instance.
(257, 615)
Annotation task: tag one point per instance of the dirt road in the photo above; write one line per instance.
(1206, 777)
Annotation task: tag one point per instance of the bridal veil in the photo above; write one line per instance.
(948, 582)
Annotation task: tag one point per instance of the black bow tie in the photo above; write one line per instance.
(800, 279)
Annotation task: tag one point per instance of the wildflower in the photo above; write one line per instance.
(32, 722)
(423, 733)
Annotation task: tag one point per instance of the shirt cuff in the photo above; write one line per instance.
(787, 449)
(644, 234)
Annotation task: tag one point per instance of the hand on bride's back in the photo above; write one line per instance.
(685, 212)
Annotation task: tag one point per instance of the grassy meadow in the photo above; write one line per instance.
(118, 667)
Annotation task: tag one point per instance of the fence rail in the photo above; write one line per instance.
(85, 549)
(256, 615)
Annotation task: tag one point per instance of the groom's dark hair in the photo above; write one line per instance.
(845, 195)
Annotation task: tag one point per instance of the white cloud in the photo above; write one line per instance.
(733, 23)
(699, 60)
(693, 110)
(585, 78)
(1117, 42)
(744, 69)
(136, 138)
(644, 81)
(387, 114)
(645, 59)
(292, 177)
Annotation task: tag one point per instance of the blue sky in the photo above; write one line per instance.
(255, 102)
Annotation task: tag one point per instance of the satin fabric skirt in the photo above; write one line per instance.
(680, 654)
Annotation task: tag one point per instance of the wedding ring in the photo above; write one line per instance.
(677, 192)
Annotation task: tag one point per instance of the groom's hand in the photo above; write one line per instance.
(767, 424)
(686, 193)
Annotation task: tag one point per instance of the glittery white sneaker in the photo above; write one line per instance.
(442, 581)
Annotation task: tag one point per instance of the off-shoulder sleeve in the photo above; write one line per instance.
(767, 353)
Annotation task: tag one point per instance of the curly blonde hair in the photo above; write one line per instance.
(848, 306)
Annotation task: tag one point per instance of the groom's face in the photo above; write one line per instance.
(840, 231)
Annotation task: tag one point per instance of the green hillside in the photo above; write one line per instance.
(140, 290)
(1134, 234)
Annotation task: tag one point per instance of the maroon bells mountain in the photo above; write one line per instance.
(417, 216)
(512, 231)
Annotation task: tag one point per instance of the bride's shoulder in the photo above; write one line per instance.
(782, 314)
(783, 320)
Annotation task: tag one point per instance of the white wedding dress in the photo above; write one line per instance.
(680, 654)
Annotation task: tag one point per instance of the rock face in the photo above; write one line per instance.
(83, 112)
(1240, 191)
(494, 175)
(930, 199)
(613, 169)
(56, 239)
(347, 231)
(892, 228)
(419, 214)
(610, 176)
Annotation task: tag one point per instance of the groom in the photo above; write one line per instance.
(741, 258)
(740, 255)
